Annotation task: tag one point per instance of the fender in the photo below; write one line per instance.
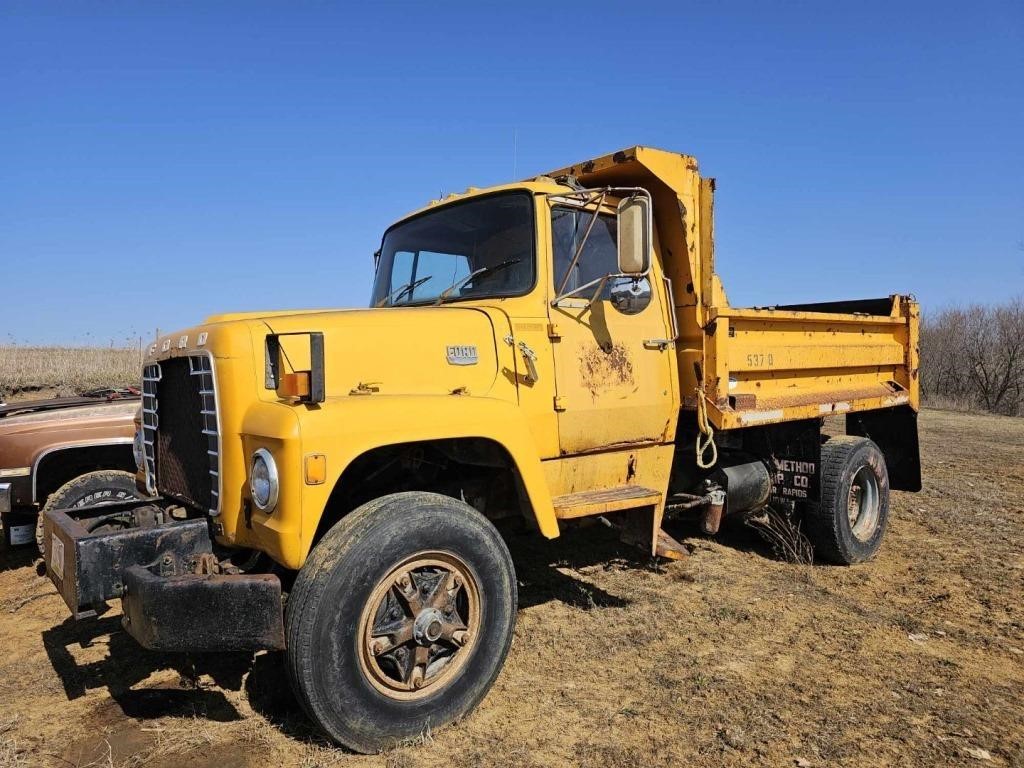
(345, 428)
(49, 451)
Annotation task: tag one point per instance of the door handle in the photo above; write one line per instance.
(660, 344)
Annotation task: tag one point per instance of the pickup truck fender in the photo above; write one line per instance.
(362, 423)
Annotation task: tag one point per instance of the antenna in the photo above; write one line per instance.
(515, 153)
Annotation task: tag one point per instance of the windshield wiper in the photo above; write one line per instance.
(398, 293)
(475, 273)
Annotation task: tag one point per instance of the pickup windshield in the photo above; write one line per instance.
(435, 255)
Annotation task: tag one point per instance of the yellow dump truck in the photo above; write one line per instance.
(549, 351)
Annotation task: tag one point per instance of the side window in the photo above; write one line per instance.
(600, 253)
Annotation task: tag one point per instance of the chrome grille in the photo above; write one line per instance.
(181, 435)
(201, 368)
(150, 422)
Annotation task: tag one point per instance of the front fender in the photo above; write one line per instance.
(346, 428)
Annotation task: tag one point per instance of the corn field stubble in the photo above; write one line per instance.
(58, 371)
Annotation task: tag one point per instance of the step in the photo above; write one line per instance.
(606, 500)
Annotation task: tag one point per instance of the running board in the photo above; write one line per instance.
(588, 503)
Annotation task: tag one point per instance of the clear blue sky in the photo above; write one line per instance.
(162, 161)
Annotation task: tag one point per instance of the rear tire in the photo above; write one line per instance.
(400, 620)
(103, 486)
(848, 525)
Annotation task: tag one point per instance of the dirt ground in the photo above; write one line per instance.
(727, 658)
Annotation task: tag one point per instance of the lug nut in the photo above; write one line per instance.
(460, 638)
(377, 647)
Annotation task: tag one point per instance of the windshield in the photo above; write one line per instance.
(438, 253)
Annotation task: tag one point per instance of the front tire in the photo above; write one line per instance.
(848, 524)
(400, 620)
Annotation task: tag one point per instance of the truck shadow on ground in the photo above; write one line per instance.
(126, 664)
(544, 568)
(11, 559)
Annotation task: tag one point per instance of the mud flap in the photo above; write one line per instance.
(894, 431)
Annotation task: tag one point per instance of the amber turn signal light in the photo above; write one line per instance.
(316, 469)
(294, 384)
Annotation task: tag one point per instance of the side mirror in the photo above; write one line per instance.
(634, 226)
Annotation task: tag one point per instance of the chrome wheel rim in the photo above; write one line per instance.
(864, 504)
(419, 626)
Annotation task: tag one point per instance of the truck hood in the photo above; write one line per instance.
(80, 415)
(26, 436)
(405, 350)
(394, 350)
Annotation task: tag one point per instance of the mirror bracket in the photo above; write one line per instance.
(273, 353)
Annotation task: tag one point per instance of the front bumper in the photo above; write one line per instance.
(170, 602)
(18, 523)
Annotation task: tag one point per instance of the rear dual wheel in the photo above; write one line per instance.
(848, 524)
(400, 620)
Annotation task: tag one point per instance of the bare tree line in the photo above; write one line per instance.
(973, 357)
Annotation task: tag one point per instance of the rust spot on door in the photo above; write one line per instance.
(605, 367)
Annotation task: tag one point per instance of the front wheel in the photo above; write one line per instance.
(400, 620)
(848, 524)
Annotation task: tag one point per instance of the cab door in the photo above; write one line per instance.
(614, 369)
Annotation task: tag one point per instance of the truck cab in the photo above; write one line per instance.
(548, 350)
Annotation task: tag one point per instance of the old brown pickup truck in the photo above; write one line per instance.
(64, 452)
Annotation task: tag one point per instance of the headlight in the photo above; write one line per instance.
(140, 455)
(263, 480)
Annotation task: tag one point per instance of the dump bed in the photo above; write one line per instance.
(785, 363)
(761, 365)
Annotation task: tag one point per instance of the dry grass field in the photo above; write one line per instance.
(729, 657)
(55, 371)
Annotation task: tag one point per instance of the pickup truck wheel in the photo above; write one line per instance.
(106, 485)
(400, 620)
(847, 526)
